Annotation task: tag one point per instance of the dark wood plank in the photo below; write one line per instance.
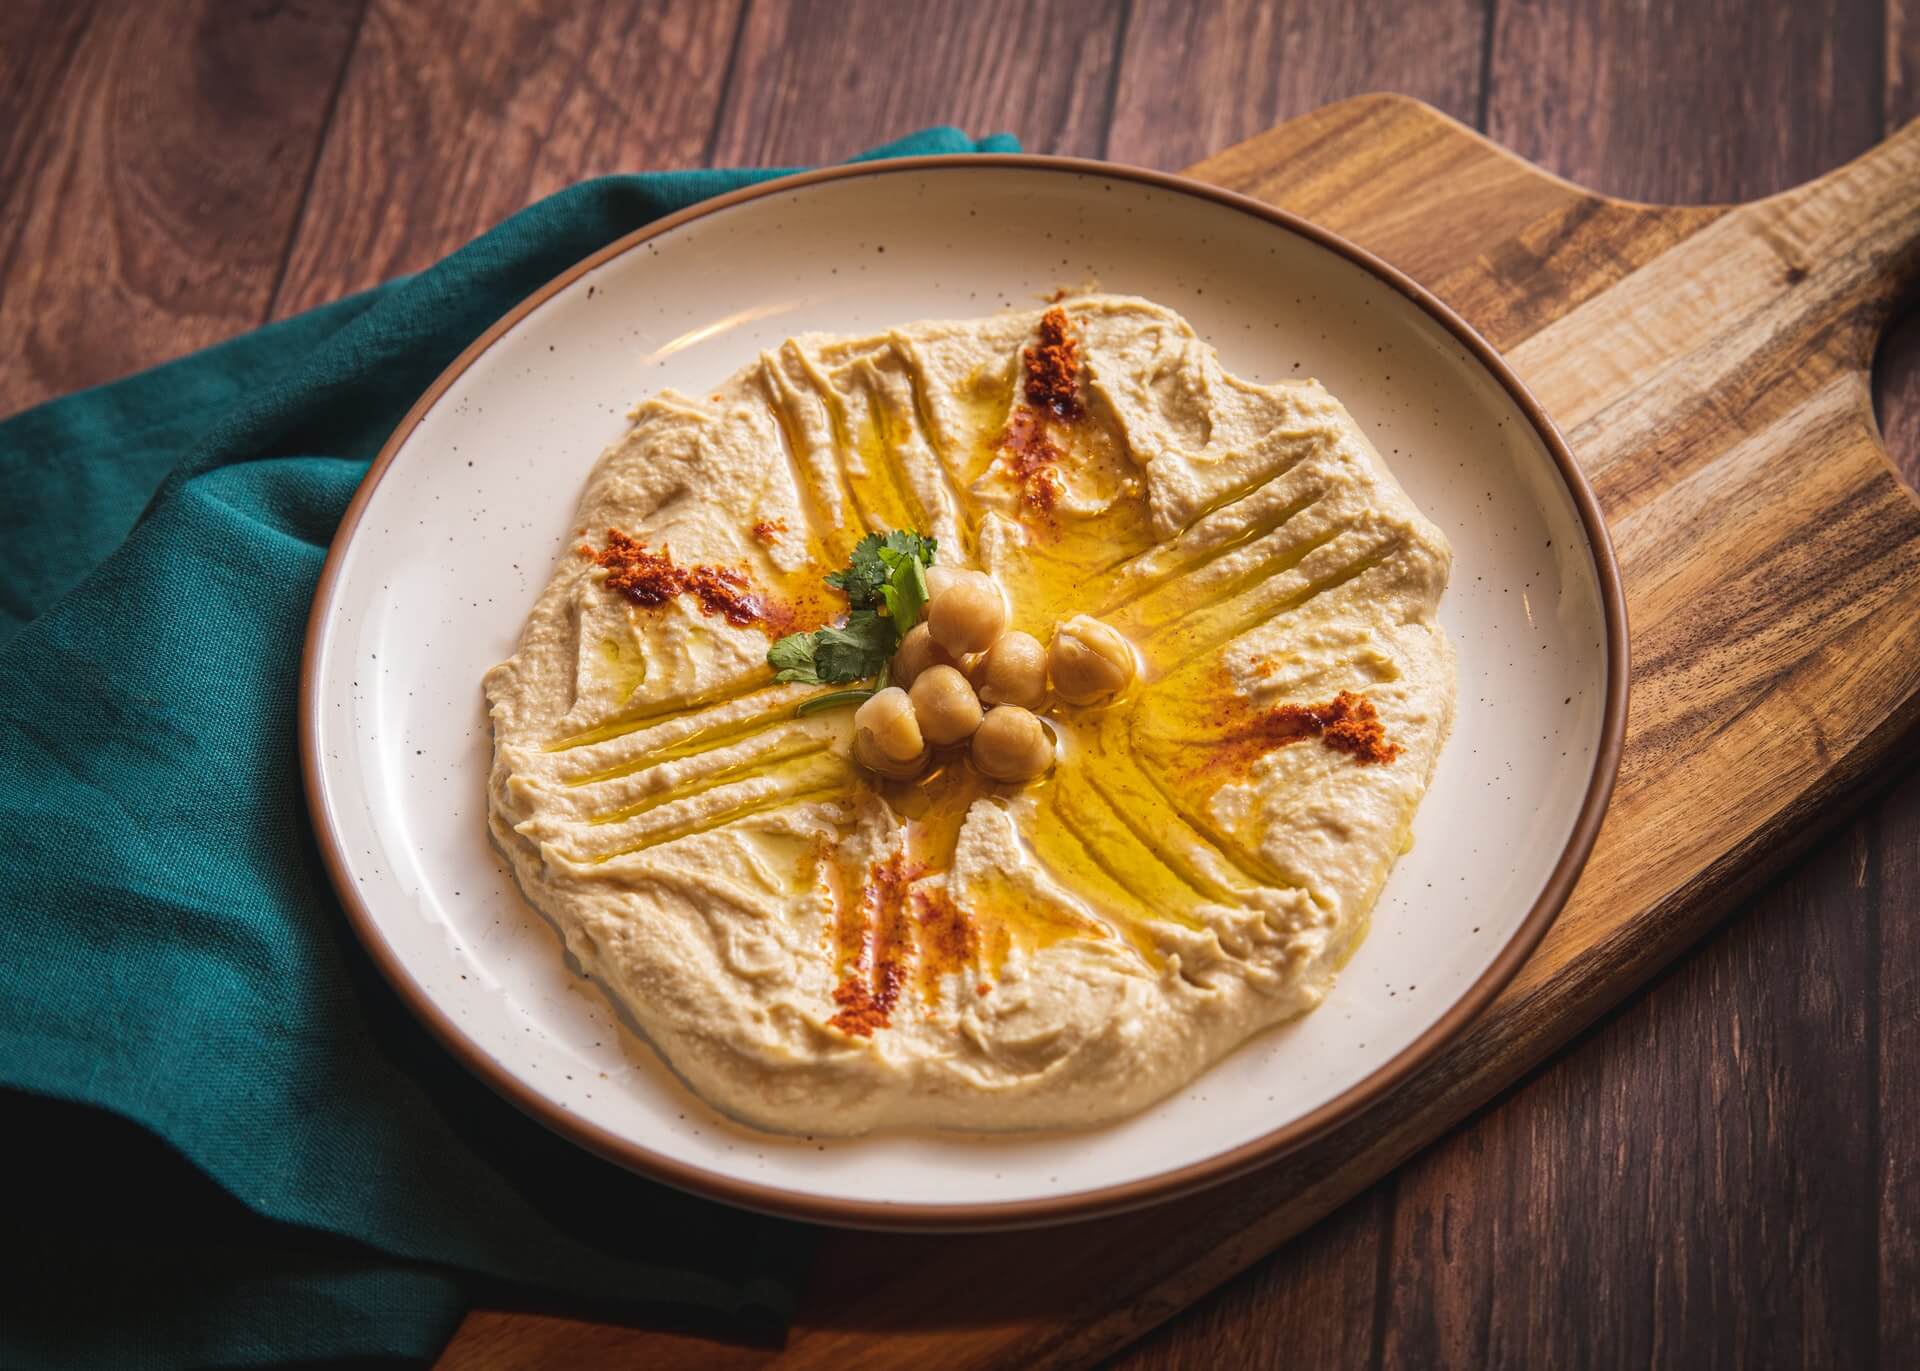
(454, 115)
(1708, 100)
(38, 41)
(153, 173)
(1693, 1187)
(818, 80)
(1196, 78)
(1893, 878)
(1901, 71)
(1313, 1303)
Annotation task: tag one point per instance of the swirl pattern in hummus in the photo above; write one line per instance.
(816, 951)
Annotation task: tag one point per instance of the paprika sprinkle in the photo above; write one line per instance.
(875, 949)
(1051, 390)
(1347, 723)
(650, 579)
(1033, 460)
(1053, 368)
(948, 940)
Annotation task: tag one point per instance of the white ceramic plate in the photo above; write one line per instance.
(397, 745)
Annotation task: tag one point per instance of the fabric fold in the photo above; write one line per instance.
(246, 1151)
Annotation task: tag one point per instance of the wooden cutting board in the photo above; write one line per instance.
(1710, 369)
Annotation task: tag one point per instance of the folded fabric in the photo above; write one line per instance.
(234, 1146)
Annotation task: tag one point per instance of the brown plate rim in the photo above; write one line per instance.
(1086, 1204)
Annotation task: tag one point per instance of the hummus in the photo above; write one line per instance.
(816, 950)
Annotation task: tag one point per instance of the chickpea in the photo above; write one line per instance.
(938, 579)
(868, 754)
(1088, 661)
(945, 705)
(916, 653)
(967, 613)
(1014, 672)
(887, 718)
(1010, 744)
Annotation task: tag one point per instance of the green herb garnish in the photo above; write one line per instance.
(833, 699)
(880, 560)
(906, 592)
(832, 655)
(886, 585)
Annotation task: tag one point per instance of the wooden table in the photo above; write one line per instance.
(1721, 1173)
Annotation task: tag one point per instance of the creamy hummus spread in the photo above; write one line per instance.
(818, 950)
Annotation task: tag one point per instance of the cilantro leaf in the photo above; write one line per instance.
(877, 559)
(865, 573)
(885, 571)
(833, 655)
(854, 651)
(906, 593)
(908, 543)
(792, 659)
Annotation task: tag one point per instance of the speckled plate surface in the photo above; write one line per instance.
(396, 744)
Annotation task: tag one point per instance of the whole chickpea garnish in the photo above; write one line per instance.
(1088, 661)
(917, 652)
(1014, 672)
(1010, 744)
(967, 612)
(887, 737)
(945, 705)
(938, 579)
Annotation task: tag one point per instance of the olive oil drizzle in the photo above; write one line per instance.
(940, 444)
(1144, 873)
(695, 742)
(756, 764)
(1212, 625)
(829, 539)
(1190, 810)
(823, 778)
(1127, 808)
(878, 446)
(877, 500)
(668, 712)
(1164, 609)
(1118, 823)
(1132, 589)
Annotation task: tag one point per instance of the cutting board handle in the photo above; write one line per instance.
(1851, 239)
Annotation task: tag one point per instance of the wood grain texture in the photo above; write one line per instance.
(1196, 78)
(1893, 876)
(1645, 1243)
(1700, 101)
(151, 168)
(818, 80)
(1900, 70)
(1740, 1208)
(1316, 1302)
(1641, 1243)
(38, 40)
(454, 116)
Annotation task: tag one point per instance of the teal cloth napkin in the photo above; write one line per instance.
(230, 1144)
